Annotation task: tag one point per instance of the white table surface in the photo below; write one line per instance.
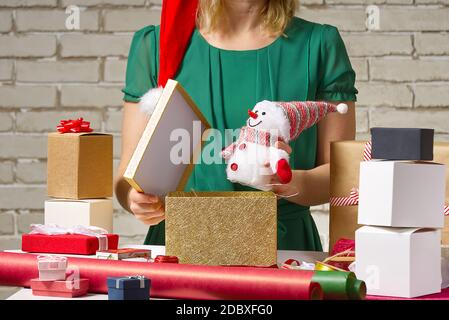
(25, 294)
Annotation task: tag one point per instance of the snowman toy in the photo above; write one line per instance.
(248, 158)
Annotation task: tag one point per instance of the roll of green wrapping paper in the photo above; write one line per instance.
(338, 285)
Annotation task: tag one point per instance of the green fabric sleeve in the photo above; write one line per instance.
(141, 70)
(337, 78)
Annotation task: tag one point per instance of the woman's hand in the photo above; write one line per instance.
(280, 189)
(147, 208)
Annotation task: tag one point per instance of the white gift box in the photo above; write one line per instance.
(398, 262)
(51, 268)
(87, 212)
(402, 194)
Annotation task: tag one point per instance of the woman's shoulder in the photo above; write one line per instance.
(149, 30)
(317, 31)
(145, 39)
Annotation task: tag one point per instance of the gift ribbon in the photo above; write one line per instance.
(293, 264)
(166, 259)
(54, 262)
(337, 284)
(353, 200)
(140, 278)
(74, 126)
(340, 285)
(53, 229)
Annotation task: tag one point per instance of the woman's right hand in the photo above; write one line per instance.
(147, 208)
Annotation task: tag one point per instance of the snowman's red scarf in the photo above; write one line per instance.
(264, 138)
(248, 134)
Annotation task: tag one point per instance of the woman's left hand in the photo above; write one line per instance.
(280, 189)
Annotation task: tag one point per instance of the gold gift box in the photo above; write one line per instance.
(222, 228)
(344, 175)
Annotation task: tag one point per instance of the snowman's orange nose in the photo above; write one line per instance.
(252, 114)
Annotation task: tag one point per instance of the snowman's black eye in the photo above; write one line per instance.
(263, 113)
(257, 111)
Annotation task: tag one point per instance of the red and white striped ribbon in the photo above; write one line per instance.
(367, 151)
(352, 200)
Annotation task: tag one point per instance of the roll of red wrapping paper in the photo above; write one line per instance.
(340, 285)
(176, 281)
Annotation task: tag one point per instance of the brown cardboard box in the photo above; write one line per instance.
(79, 165)
(222, 228)
(344, 175)
(441, 155)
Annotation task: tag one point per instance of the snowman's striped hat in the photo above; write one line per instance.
(304, 114)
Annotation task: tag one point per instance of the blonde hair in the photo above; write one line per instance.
(276, 15)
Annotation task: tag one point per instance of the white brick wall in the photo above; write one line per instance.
(48, 73)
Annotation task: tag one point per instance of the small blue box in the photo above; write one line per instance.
(129, 288)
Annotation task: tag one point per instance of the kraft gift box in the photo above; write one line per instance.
(87, 212)
(79, 165)
(402, 143)
(344, 175)
(441, 155)
(155, 166)
(402, 194)
(222, 228)
(398, 262)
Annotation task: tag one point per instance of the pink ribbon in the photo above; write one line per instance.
(52, 261)
(53, 229)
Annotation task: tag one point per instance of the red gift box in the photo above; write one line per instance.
(66, 288)
(65, 243)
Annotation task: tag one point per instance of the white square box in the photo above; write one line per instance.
(398, 262)
(86, 212)
(402, 194)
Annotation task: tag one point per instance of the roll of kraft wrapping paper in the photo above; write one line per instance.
(340, 285)
(176, 281)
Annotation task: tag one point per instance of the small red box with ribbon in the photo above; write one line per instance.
(62, 288)
(79, 240)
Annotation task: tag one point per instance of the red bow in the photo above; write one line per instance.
(166, 259)
(74, 126)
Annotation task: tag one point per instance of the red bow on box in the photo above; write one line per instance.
(74, 126)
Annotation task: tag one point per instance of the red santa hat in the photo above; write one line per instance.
(304, 114)
(178, 18)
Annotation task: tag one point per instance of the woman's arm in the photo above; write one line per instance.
(312, 185)
(147, 208)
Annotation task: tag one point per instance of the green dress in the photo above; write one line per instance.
(310, 63)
